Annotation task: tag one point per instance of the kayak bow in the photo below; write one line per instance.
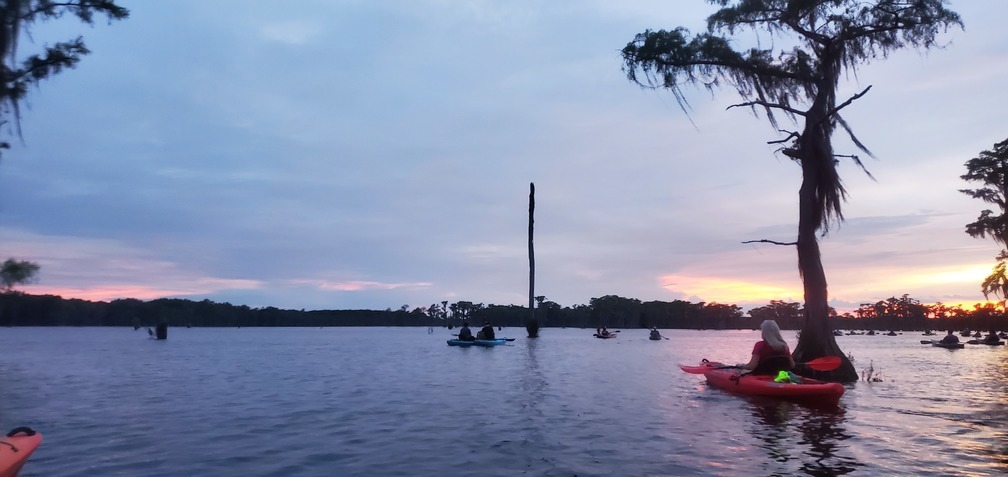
(15, 448)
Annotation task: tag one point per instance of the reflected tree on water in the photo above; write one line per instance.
(811, 42)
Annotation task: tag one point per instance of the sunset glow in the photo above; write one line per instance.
(367, 182)
(715, 289)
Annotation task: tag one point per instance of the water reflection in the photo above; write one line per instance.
(996, 414)
(533, 382)
(794, 433)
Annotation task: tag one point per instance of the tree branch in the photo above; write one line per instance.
(791, 134)
(771, 242)
(769, 105)
(847, 103)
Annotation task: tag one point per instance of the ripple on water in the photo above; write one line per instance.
(398, 401)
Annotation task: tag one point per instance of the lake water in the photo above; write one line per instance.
(399, 401)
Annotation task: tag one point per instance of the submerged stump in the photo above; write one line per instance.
(162, 331)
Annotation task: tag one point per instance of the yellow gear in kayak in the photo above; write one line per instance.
(787, 377)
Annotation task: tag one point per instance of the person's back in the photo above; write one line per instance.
(771, 354)
(465, 334)
(771, 361)
(487, 332)
(950, 338)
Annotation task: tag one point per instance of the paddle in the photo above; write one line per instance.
(826, 363)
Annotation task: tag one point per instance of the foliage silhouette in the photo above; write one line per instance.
(812, 43)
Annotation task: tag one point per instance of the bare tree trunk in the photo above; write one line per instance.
(817, 163)
(532, 325)
(817, 338)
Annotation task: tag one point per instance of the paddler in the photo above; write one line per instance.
(950, 338)
(992, 338)
(465, 334)
(771, 355)
(487, 333)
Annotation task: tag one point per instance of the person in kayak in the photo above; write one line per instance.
(950, 338)
(465, 334)
(487, 333)
(992, 338)
(655, 335)
(770, 355)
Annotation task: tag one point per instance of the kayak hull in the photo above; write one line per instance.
(732, 380)
(939, 344)
(605, 337)
(483, 343)
(15, 450)
(988, 343)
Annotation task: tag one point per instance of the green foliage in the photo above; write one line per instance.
(47, 310)
(786, 314)
(990, 168)
(17, 75)
(812, 43)
(996, 283)
(15, 272)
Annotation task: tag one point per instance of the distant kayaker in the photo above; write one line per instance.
(771, 355)
(950, 338)
(487, 333)
(992, 337)
(655, 335)
(465, 334)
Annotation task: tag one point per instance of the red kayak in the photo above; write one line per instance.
(15, 449)
(734, 380)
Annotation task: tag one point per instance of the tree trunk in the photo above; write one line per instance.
(817, 339)
(818, 172)
(532, 325)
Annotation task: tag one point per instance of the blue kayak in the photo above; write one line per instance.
(485, 343)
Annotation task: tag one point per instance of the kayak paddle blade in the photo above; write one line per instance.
(826, 363)
(694, 369)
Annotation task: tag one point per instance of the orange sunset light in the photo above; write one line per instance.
(107, 293)
(970, 274)
(178, 288)
(722, 290)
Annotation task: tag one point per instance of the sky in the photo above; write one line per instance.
(374, 154)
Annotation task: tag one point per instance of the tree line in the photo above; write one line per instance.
(904, 313)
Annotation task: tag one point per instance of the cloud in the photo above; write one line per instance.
(356, 285)
(367, 154)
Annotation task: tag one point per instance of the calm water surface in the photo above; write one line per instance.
(399, 401)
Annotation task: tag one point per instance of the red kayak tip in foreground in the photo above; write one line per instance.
(15, 448)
